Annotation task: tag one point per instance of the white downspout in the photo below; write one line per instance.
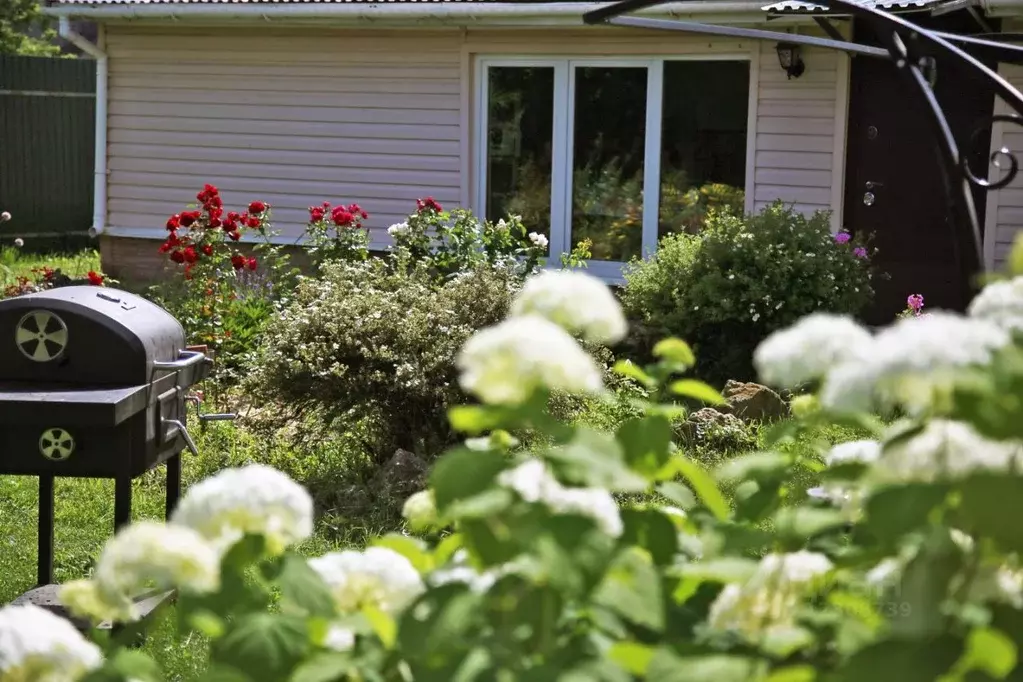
(99, 199)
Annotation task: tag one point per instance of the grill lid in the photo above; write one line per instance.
(85, 336)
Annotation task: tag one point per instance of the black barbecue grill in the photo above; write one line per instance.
(94, 382)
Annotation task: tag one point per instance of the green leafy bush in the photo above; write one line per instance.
(725, 288)
(373, 340)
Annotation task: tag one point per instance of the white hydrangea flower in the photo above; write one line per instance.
(477, 582)
(807, 350)
(770, 598)
(1000, 303)
(506, 363)
(420, 510)
(36, 645)
(859, 451)
(254, 499)
(578, 302)
(339, 638)
(539, 240)
(997, 584)
(910, 359)
(377, 577)
(534, 483)
(944, 450)
(885, 574)
(143, 554)
(398, 229)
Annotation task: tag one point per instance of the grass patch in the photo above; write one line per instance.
(16, 263)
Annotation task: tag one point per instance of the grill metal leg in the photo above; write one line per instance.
(173, 484)
(122, 501)
(44, 566)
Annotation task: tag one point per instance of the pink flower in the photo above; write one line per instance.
(916, 302)
(860, 252)
(842, 237)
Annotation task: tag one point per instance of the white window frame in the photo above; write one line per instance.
(562, 141)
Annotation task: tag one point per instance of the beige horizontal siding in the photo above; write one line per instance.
(291, 118)
(1005, 206)
(299, 117)
(796, 132)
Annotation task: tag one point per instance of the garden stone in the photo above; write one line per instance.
(403, 474)
(698, 424)
(753, 402)
(46, 597)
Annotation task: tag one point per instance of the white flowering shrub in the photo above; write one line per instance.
(613, 556)
(379, 342)
(727, 287)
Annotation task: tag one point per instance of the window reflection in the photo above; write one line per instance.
(607, 160)
(520, 124)
(703, 141)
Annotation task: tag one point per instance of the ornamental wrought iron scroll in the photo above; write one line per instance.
(913, 50)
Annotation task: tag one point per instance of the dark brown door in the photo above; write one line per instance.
(894, 185)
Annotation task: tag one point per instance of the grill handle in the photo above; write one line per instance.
(189, 358)
(183, 430)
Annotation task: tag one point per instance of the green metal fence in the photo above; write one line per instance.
(47, 109)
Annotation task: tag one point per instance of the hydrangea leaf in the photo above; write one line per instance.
(667, 666)
(800, 523)
(302, 588)
(646, 443)
(437, 630)
(463, 473)
(676, 351)
(653, 531)
(902, 660)
(324, 667)
(723, 570)
(631, 370)
(759, 466)
(264, 646)
(677, 494)
(783, 641)
(896, 510)
(704, 486)
(988, 503)
(793, 673)
(698, 390)
(989, 651)
(632, 656)
(595, 459)
(412, 549)
(632, 588)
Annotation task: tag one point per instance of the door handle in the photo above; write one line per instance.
(872, 184)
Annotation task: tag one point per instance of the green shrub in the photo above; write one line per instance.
(369, 340)
(741, 278)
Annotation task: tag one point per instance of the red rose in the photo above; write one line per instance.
(215, 223)
(177, 257)
(257, 207)
(209, 292)
(427, 204)
(238, 261)
(190, 255)
(188, 271)
(165, 247)
(173, 239)
(251, 264)
(207, 249)
(253, 222)
(315, 214)
(215, 213)
(232, 215)
(230, 225)
(173, 223)
(95, 278)
(235, 236)
(341, 217)
(186, 219)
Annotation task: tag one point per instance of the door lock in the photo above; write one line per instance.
(871, 184)
(868, 198)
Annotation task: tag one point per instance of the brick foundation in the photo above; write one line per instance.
(139, 262)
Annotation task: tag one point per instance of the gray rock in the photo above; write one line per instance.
(403, 474)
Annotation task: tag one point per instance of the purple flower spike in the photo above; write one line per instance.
(915, 301)
(860, 252)
(842, 237)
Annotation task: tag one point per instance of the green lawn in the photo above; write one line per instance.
(15, 262)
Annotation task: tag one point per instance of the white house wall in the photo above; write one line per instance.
(1004, 216)
(298, 116)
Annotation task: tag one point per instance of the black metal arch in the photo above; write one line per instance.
(912, 50)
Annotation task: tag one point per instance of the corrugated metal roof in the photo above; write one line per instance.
(798, 6)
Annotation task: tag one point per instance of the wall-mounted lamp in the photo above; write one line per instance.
(790, 59)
